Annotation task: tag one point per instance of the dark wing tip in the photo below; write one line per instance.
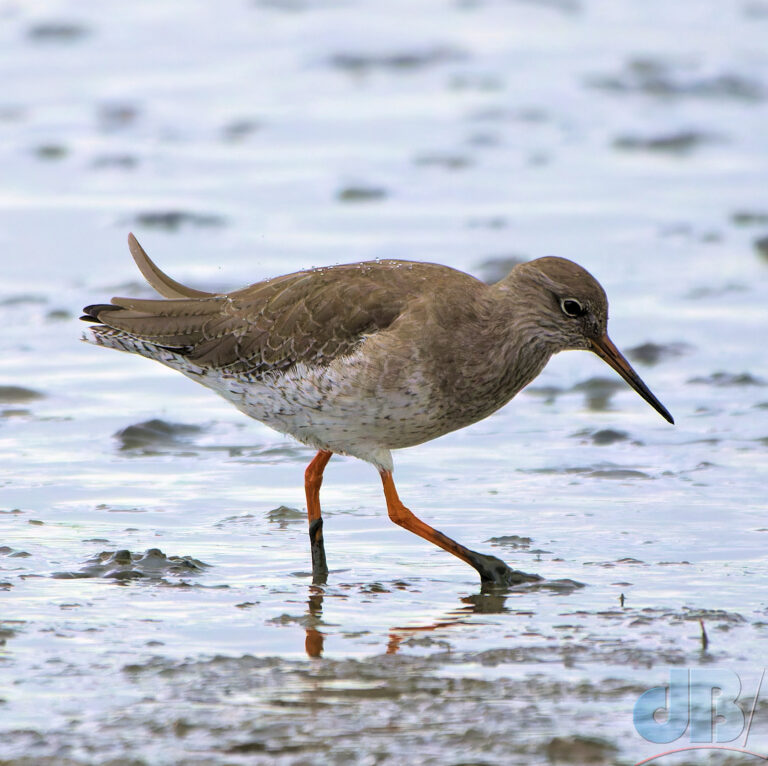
(91, 313)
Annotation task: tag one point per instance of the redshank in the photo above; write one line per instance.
(363, 358)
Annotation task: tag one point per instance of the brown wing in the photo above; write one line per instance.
(310, 316)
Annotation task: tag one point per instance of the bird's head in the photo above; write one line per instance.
(572, 311)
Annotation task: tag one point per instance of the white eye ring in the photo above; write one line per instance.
(571, 307)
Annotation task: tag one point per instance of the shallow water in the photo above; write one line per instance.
(155, 602)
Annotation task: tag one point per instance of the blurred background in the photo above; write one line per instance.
(247, 138)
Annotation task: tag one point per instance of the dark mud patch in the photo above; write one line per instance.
(402, 61)
(117, 116)
(602, 471)
(123, 565)
(13, 553)
(361, 194)
(156, 436)
(23, 299)
(244, 519)
(15, 412)
(58, 315)
(561, 587)
(580, 750)
(8, 629)
(173, 220)
(240, 130)
(727, 379)
(653, 353)
(478, 82)
(619, 562)
(286, 453)
(761, 246)
(750, 217)
(51, 152)
(490, 222)
(721, 618)
(604, 436)
(717, 291)
(444, 161)
(19, 395)
(495, 267)
(515, 542)
(620, 474)
(549, 394)
(283, 516)
(484, 139)
(680, 143)
(57, 32)
(662, 79)
(598, 392)
(115, 162)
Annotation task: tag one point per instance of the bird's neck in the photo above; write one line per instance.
(522, 345)
(497, 349)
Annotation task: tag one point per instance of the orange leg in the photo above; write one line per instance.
(313, 479)
(490, 568)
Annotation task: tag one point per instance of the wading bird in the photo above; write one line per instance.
(363, 358)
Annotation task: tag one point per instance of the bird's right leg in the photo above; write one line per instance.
(492, 570)
(313, 479)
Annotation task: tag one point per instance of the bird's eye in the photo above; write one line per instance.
(571, 307)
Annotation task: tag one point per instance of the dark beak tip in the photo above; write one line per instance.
(607, 351)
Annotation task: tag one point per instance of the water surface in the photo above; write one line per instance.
(155, 601)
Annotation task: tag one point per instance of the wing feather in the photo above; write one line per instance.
(309, 317)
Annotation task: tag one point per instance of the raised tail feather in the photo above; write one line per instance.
(105, 333)
(167, 287)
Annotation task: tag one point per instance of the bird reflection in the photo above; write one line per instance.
(485, 601)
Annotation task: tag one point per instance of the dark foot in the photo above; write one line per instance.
(494, 571)
(319, 565)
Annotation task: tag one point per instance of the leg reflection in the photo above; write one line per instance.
(481, 603)
(313, 642)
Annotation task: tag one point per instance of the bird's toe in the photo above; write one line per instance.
(493, 571)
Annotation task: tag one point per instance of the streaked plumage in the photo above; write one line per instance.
(363, 358)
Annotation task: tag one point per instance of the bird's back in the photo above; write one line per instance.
(310, 317)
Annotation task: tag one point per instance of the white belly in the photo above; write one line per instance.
(330, 408)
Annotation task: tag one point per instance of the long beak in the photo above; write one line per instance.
(605, 349)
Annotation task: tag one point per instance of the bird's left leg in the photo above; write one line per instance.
(313, 479)
(491, 569)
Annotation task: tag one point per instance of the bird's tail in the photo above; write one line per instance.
(111, 337)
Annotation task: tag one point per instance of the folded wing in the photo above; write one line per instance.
(309, 317)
